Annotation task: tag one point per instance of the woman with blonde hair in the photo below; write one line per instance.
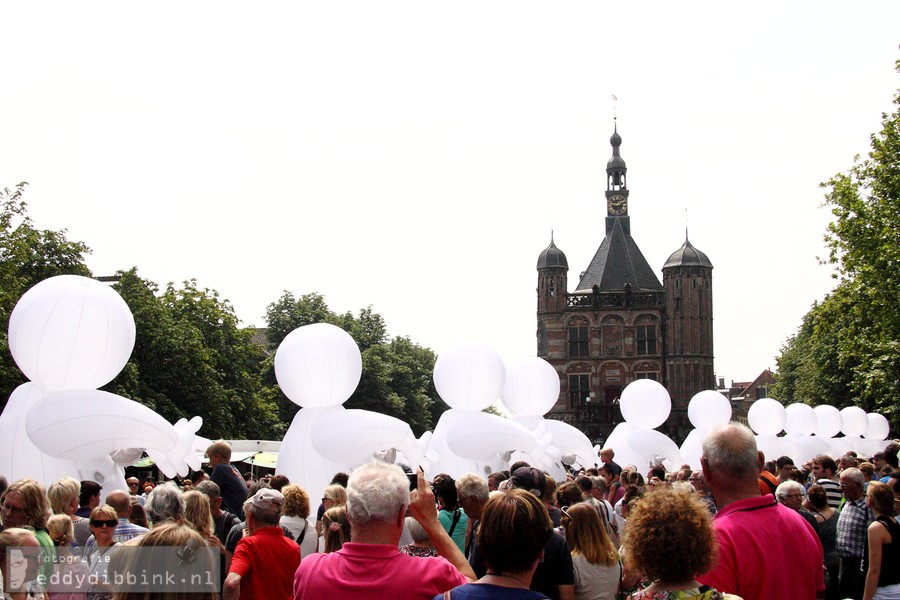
(19, 557)
(70, 578)
(883, 575)
(594, 557)
(104, 521)
(334, 495)
(336, 528)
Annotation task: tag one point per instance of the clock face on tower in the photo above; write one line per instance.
(617, 205)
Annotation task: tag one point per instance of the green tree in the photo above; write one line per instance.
(192, 358)
(848, 349)
(396, 373)
(28, 255)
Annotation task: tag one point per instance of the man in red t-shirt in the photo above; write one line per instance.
(264, 562)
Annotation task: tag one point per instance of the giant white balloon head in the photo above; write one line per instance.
(645, 403)
(828, 421)
(469, 376)
(800, 419)
(854, 421)
(709, 408)
(71, 332)
(878, 428)
(318, 365)
(767, 416)
(532, 387)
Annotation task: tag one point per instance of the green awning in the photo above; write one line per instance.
(263, 459)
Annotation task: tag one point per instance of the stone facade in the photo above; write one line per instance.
(622, 324)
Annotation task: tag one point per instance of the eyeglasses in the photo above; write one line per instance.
(15, 510)
(104, 523)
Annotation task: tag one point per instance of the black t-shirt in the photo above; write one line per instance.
(232, 488)
(555, 570)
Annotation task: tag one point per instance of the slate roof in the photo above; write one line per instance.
(552, 257)
(619, 261)
(688, 256)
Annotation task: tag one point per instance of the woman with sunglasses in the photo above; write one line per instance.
(103, 524)
(595, 558)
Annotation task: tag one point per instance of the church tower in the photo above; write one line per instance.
(687, 277)
(609, 331)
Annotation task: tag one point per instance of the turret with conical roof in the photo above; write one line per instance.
(687, 277)
(553, 271)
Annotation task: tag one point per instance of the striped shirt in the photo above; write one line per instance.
(832, 491)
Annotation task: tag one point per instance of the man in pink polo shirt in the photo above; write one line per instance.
(766, 550)
(370, 565)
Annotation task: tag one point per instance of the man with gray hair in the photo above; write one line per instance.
(766, 550)
(370, 565)
(852, 528)
(473, 492)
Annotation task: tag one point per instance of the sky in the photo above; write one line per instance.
(415, 156)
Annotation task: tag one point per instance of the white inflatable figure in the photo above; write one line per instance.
(355, 436)
(800, 443)
(531, 390)
(469, 378)
(828, 424)
(645, 405)
(876, 433)
(707, 409)
(70, 335)
(767, 418)
(854, 424)
(318, 367)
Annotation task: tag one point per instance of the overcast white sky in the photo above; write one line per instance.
(415, 155)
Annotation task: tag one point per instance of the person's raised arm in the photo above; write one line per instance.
(423, 509)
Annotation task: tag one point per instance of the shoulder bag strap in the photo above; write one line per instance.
(456, 516)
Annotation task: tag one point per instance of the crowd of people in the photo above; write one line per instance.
(739, 527)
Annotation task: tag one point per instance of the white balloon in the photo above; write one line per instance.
(71, 332)
(299, 460)
(569, 439)
(878, 428)
(801, 419)
(769, 445)
(353, 436)
(19, 457)
(645, 403)
(89, 425)
(469, 377)
(532, 386)
(855, 421)
(692, 447)
(447, 461)
(828, 421)
(709, 408)
(318, 365)
(653, 445)
(767, 417)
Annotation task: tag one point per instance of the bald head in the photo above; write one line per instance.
(729, 451)
(121, 501)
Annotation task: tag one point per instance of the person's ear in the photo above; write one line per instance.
(401, 515)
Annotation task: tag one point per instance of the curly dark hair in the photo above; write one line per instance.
(669, 536)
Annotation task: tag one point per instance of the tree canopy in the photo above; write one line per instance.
(847, 351)
(28, 255)
(396, 373)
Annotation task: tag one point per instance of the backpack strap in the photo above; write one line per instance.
(456, 517)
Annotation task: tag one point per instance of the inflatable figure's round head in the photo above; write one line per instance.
(532, 387)
(645, 403)
(318, 365)
(767, 416)
(71, 332)
(469, 376)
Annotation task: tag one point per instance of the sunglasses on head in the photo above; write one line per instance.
(105, 522)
